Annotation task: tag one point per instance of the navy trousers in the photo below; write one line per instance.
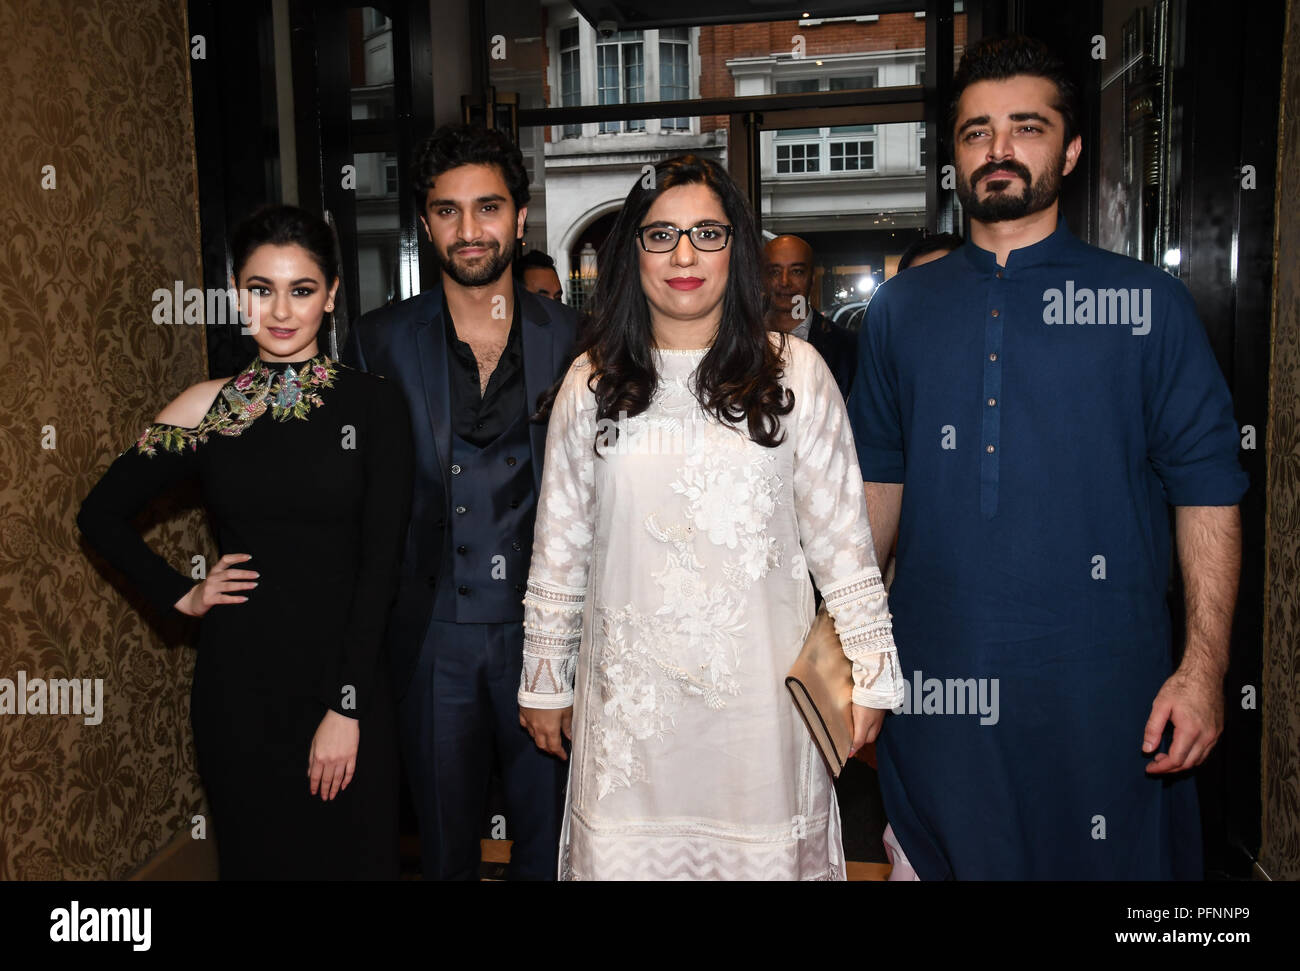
(459, 712)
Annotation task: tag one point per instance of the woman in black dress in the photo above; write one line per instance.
(305, 467)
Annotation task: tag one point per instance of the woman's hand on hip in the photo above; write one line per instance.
(219, 587)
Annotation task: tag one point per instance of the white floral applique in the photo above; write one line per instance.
(636, 702)
(702, 625)
(692, 646)
(732, 503)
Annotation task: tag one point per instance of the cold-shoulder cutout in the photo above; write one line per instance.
(189, 407)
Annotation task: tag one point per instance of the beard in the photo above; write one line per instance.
(999, 206)
(483, 271)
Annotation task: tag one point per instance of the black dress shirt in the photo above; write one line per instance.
(477, 417)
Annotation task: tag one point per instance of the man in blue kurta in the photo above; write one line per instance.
(1026, 411)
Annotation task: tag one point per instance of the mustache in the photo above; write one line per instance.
(480, 244)
(1008, 166)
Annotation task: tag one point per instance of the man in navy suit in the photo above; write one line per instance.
(788, 280)
(472, 356)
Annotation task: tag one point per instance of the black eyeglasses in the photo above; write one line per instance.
(707, 238)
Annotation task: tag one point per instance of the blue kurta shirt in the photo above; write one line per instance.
(1042, 416)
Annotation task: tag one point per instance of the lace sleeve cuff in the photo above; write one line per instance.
(861, 613)
(552, 634)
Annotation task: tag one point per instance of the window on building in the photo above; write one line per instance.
(674, 72)
(853, 156)
(837, 148)
(390, 175)
(620, 75)
(798, 157)
(798, 150)
(852, 147)
(920, 144)
(570, 76)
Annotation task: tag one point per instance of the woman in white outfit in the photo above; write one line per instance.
(697, 469)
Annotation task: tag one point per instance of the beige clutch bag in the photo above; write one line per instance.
(821, 683)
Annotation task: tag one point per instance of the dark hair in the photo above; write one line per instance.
(285, 226)
(1011, 55)
(739, 377)
(534, 259)
(452, 146)
(929, 244)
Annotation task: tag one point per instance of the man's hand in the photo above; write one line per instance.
(866, 725)
(1194, 702)
(1209, 552)
(545, 726)
(333, 756)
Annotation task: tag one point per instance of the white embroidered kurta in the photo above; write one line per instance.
(668, 595)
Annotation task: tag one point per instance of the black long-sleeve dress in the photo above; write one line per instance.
(307, 467)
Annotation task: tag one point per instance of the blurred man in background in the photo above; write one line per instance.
(536, 271)
(928, 249)
(788, 279)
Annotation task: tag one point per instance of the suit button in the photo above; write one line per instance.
(462, 589)
(455, 470)
(510, 460)
(440, 524)
(519, 588)
(515, 546)
(461, 510)
(433, 581)
(514, 503)
(460, 549)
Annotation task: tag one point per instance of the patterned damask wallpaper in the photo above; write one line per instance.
(101, 92)
(1280, 853)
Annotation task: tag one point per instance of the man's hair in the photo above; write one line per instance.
(534, 259)
(929, 244)
(1012, 55)
(452, 146)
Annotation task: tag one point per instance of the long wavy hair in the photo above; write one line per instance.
(739, 377)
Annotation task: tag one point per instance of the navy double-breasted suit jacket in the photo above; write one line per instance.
(406, 342)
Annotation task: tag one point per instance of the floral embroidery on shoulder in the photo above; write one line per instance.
(245, 398)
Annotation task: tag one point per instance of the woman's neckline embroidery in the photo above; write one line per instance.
(260, 388)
